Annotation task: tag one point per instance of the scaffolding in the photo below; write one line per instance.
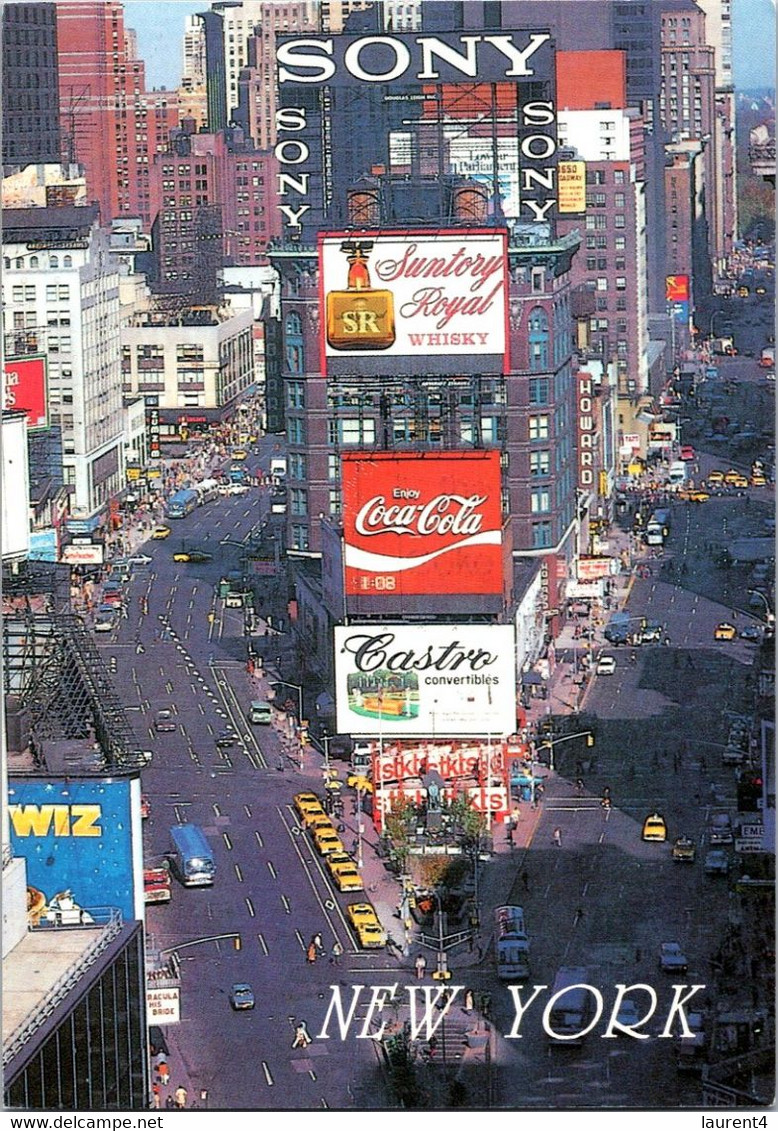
(54, 678)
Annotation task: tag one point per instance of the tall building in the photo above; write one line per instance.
(257, 93)
(61, 297)
(108, 122)
(598, 129)
(30, 86)
(687, 103)
(193, 48)
(718, 32)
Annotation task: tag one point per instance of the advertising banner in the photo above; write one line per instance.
(422, 524)
(163, 1006)
(414, 303)
(439, 681)
(77, 839)
(92, 553)
(571, 186)
(591, 568)
(481, 762)
(25, 389)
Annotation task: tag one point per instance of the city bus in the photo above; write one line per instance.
(192, 856)
(511, 943)
(572, 1012)
(182, 503)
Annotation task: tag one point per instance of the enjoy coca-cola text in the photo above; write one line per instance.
(445, 514)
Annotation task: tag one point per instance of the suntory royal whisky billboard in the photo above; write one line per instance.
(412, 303)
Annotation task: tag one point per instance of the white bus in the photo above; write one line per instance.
(192, 855)
(511, 943)
(572, 1012)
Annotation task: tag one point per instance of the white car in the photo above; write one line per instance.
(606, 665)
(139, 560)
(237, 489)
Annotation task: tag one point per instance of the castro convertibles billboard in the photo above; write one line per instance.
(25, 388)
(431, 681)
(420, 525)
(414, 303)
(81, 840)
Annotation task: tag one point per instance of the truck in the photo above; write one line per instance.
(156, 885)
(278, 468)
(511, 943)
(677, 472)
(192, 855)
(658, 527)
(724, 347)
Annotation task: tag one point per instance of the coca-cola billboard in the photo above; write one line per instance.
(433, 680)
(421, 526)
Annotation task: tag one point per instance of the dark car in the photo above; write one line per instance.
(241, 996)
(226, 739)
(164, 721)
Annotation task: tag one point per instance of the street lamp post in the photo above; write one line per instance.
(769, 614)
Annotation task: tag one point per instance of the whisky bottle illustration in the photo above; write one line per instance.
(359, 318)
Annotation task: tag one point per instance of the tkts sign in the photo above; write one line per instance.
(422, 524)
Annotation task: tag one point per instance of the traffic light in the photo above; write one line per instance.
(590, 740)
(237, 942)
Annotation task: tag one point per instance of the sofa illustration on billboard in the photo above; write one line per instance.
(383, 695)
(61, 910)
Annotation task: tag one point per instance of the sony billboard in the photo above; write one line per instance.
(487, 97)
(431, 681)
(421, 531)
(415, 302)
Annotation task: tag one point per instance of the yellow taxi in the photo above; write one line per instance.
(326, 839)
(740, 481)
(715, 477)
(758, 480)
(698, 496)
(724, 631)
(239, 454)
(305, 800)
(345, 872)
(732, 475)
(654, 827)
(367, 925)
(160, 532)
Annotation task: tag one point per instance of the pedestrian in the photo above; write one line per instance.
(170, 1102)
(525, 879)
(468, 1005)
(302, 1037)
(421, 966)
(180, 1096)
(310, 954)
(336, 953)
(155, 1096)
(557, 837)
(578, 916)
(163, 1072)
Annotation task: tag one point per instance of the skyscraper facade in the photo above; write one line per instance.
(30, 86)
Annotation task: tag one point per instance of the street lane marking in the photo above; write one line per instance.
(266, 1070)
(238, 873)
(216, 810)
(271, 869)
(227, 840)
(247, 810)
(258, 836)
(285, 902)
(250, 907)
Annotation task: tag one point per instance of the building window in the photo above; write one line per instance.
(538, 390)
(293, 340)
(335, 506)
(295, 430)
(298, 468)
(541, 535)
(295, 394)
(539, 427)
(538, 339)
(539, 464)
(619, 221)
(299, 535)
(333, 467)
(350, 430)
(621, 283)
(298, 501)
(540, 500)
